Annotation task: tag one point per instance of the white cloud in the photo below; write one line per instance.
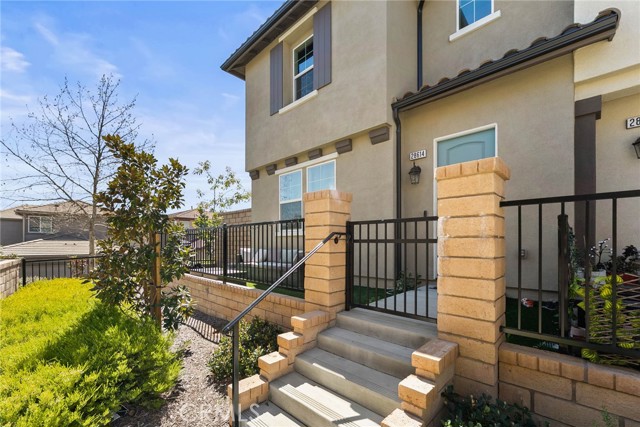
(7, 96)
(74, 50)
(12, 61)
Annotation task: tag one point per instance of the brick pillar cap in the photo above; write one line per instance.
(327, 194)
(489, 165)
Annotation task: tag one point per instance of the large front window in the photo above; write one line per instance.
(303, 68)
(470, 11)
(41, 224)
(291, 195)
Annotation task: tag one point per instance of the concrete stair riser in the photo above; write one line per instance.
(374, 390)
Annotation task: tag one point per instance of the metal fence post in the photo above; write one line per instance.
(225, 251)
(24, 271)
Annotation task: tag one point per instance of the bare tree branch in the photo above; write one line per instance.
(59, 153)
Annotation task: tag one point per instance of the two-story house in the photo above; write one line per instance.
(356, 95)
(371, 97)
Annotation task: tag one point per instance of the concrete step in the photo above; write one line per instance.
(387, 357)
(372, 389)
(267, 414)
(386, 327)
(316, 406)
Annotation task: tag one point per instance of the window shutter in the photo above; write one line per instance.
(276, 79)
(322, 47)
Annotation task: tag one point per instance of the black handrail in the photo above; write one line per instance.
(235, 323)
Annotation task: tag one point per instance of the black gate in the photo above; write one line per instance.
(390, 266)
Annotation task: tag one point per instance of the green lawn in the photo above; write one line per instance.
(550, 323)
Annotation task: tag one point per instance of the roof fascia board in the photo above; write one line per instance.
(598, 30)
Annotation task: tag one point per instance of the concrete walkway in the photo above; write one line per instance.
(416, 301)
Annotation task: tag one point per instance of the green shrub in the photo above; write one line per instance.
(257, 338)
(481, 412)
(69, 359)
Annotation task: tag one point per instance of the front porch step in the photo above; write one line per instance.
(373, 389)
(267, 414)
(403, 331)
(316, 406)
(387, 357)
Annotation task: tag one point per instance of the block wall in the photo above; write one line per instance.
(566, 390)
(237, 217)
(226, 300)
(9, 277)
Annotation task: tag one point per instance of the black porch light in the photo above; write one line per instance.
(636, 145)
(414, 173)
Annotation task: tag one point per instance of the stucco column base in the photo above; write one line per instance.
(471, 269)
(325, 212)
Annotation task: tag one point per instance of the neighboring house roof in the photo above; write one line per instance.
(54, 208)
(280, 21)
(188, 215)
(542, 49)
(10, 213)
(56, 246)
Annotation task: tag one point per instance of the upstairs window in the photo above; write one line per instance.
(470, 11)
(41, 224)
(303, 68)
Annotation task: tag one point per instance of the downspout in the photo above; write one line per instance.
(420, 6)
(397, 248)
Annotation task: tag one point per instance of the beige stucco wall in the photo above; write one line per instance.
(618, 169)
(611, 69)
(366, 172)
(534, 113)
(520, 23)
(354, 101)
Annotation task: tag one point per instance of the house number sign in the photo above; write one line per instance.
(633, 122)
(421, 154)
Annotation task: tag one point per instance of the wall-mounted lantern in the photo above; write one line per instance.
(414, 173)
(636, 145)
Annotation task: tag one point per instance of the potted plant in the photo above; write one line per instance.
(596, 253)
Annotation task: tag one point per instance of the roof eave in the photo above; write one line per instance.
(265, 34)
(598, 30)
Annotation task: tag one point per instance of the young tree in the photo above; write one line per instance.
(59, 154)
(225, 191)
(137, 199)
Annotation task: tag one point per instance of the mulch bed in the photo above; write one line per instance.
(196, 401)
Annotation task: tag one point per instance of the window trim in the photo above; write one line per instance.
(280, 202)
(318, 165)
(293, 70)
(307, 164)
(460, 32)
(30, 231)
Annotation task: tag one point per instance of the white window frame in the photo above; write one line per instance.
(280, 202)
(293, 70)
(460, 32)
(318, 165)
(39, 231)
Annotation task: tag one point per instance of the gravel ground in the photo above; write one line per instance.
(195, 401)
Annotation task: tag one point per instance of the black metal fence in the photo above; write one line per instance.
(54, 268)
(574, 286)
(259, 253)
(390, 266)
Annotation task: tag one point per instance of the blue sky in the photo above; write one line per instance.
(167, 53)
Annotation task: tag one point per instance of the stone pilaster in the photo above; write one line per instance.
(325, 212)
(471, 268)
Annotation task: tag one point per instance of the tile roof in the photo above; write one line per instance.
(541, 49)
(65, 207)
(10, 213)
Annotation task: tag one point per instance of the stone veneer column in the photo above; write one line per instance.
(471, 269)
(325, 211)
